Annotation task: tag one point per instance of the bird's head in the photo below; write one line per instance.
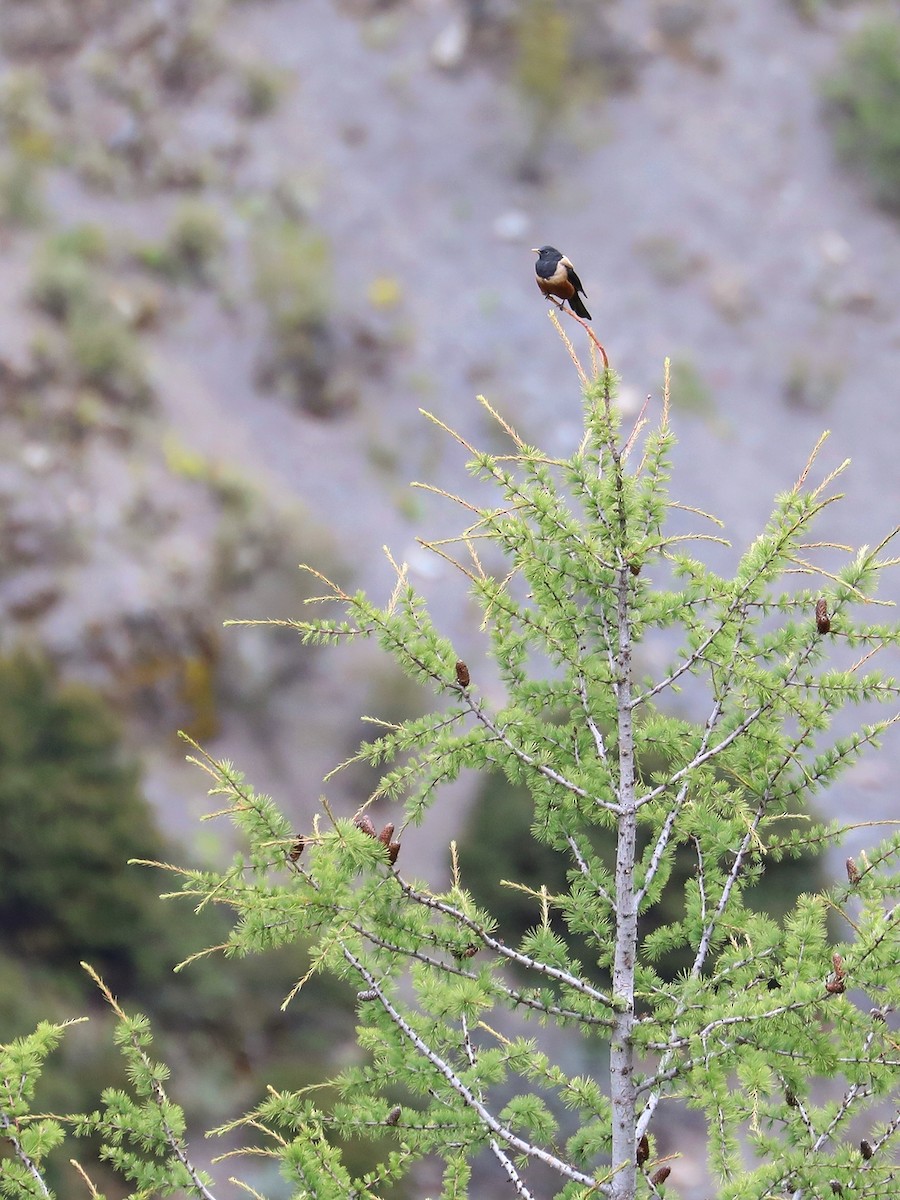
(546, 252)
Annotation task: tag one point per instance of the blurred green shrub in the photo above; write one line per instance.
(195, 240)
(293, 279)
(21, 197)
(292, 269)
(26, 117)
(106, 354)
(690, 391)
(812, 383)
(543, 44)
(864, 96)
(566, 56)
(61, 283)
(67, 270)
(85, 241)
(102, 348)
(71, 815)
(261, 89)
(543, 55)
(808, 10)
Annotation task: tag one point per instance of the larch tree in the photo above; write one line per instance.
(781, 1032)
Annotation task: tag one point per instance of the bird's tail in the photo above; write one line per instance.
(577, 306)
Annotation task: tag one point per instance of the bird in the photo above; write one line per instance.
(556, 277)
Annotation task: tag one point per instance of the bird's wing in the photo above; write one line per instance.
(573, 278)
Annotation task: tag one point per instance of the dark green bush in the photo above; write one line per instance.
(71, 815)
(864, 94)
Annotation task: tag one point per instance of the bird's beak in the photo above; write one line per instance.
(534, 250)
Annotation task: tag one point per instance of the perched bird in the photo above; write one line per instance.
(556, 277)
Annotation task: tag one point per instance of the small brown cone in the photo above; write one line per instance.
(364, 822)
(835, 984)
(297, 849)
(823, 621)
